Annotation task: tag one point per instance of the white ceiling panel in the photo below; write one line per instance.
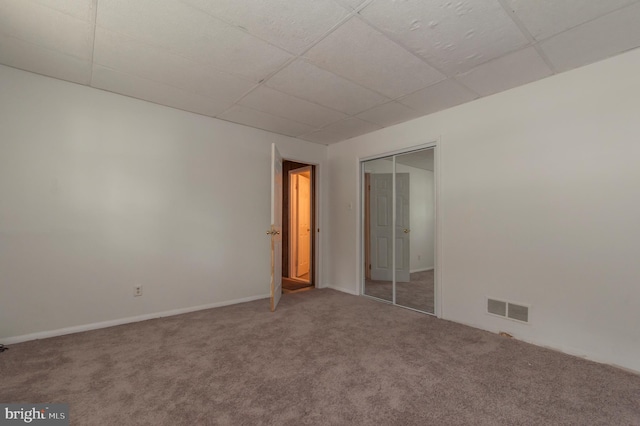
(440, 96)
(453, 36)
(544, 18)
(193, 34)
(327, 69)
(277, 103)
(130, 85)
(262, 120)
(46, 27)
(31, 57)
(345, 129)
(130, 56)
(81, 9)
(598, 39)
(364, 55)
(389, 114)
(292, 25)
(515, 69)
(309, 82)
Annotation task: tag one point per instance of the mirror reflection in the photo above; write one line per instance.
(411, 282)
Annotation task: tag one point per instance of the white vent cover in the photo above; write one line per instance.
(497, 307)
(508, 310)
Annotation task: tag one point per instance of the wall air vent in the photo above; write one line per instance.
(509, 310)
(518, 312)
(497, 307)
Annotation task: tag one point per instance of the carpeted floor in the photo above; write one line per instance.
(323, 358)
(417, 294)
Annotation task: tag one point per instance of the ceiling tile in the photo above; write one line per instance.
(453, 36)
(129, 85)
(362, 54)
(309, 82)
(31, 57)
(46, 27)
(81, 9)
(544, 18)
(345, 129)
(130, 56)
(261, 120)
(440, 96)
(595, 40)
(193, 34)
(292, 25)
(269, 100)
(389, 114)
(514, 69)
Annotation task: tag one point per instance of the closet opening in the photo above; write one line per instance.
(399, 229)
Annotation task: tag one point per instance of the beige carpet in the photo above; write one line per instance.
(417, 294)
(324, 358)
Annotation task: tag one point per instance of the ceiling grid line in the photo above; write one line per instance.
(324, 70)
(527, 34)
(93, 40)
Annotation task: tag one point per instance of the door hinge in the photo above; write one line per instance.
(369, 266)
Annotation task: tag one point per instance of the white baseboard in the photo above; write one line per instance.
(422, 270)
(343, 289)
(121, 321)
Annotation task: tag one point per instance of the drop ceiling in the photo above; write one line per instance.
(319, 70)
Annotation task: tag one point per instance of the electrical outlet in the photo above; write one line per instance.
(137, 291)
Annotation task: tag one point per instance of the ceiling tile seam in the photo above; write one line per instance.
(148, 101)
(365, 4)
(390, 102)
(253, 127)
(93, 41)
(330, 31)
(237, 102)
(66, 14)
(380, 125)
(87, 60)
(295, 57)
(630, 5)
(455, 80)
(402, 45)
(400, 98)
(321, 128)
(371, 89)
(269, 114)
(179, 55)
(260, 83)
(238, 27)
(525, 31)
(182, 89)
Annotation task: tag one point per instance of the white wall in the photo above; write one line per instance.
(539, 204)
(100, 192)
(421, 216)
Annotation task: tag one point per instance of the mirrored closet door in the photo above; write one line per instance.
(399, 229)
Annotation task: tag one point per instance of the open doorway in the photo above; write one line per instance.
(298, 224)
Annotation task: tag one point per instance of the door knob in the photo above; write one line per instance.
(406, 231)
